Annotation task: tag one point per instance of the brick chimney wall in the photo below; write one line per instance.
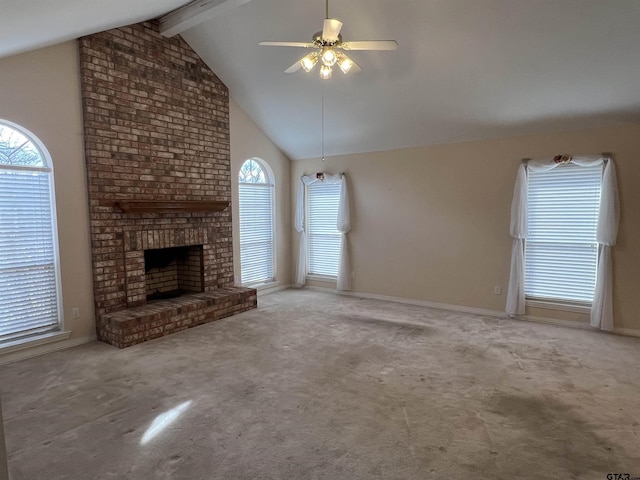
(156, 125)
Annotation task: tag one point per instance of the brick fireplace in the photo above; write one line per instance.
(156, 125)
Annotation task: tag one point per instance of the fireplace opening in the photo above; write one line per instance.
(172, 272)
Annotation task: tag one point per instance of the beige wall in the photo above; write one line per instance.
(428, 223)
(248, 141)
(432, 223)
(41, 91)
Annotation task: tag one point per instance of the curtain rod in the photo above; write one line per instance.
(603, 154)
(318, 173)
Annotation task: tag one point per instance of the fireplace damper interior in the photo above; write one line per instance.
(171, 272)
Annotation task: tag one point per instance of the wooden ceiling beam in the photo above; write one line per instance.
(194, 13)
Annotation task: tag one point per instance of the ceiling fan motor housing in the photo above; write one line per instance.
(320, 42)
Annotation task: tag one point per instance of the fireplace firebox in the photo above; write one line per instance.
(172, 272)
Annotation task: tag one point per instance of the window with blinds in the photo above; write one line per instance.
(256, 224)
(561, 252)
(323, 201)
(28, 267)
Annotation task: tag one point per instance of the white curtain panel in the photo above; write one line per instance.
(343, 225)
(608, 219)
(518, 230)
(301, 270)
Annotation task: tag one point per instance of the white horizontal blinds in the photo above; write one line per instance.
(28, 299)
(324, 238)
(561, 251)
(256, 233)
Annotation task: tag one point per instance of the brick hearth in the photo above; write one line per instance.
(156, 125)
(136, 325)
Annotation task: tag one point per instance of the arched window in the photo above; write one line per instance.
(29, 286)
(256, 223)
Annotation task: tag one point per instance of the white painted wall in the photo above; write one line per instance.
(432, 223)
(40, 90)
(249, 141)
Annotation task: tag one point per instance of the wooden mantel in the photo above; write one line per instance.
(169, 206)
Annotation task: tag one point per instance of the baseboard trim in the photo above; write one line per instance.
(37, 350)
(629, 332)
(424, 303)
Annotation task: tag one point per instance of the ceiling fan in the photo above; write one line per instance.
(328, 49)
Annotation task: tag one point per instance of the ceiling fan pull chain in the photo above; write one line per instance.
(322, 115)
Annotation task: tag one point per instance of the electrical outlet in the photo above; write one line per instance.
(353, 274)
(497, 290)
(75, 312)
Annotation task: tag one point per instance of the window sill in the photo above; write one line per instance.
(559, 305)
(322, 278)
(263, 286)
(35, 341)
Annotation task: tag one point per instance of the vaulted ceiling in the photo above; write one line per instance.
(464, 69)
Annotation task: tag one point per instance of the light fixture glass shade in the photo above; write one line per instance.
(345, 63)
(329, 57)
(325, 72)
(309, 61)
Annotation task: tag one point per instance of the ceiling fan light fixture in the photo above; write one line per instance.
(329, 57)
(345, 63)
(325, 72)
(309, 61)
(328, 48)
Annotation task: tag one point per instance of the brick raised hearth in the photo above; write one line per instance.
(135, 325)
(156, 124)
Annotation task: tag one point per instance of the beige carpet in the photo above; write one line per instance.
(317, 386)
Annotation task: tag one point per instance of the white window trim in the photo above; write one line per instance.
(266, 285)
(322, 278)
(601, 315)
(33, 340)
(273, 233)
(314, 276)
(561, 305)
(274, 221)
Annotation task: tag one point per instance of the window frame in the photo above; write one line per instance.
(564, 304)
(270, 182)
(49, 169)
(319, 276)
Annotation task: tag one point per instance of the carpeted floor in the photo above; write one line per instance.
(317, 386)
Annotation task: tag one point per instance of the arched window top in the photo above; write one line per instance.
(254, 171)
(30, 303)
(17, 149)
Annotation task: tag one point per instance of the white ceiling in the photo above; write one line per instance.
(29, 24)
(465, 69)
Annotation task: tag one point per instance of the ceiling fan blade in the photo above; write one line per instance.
(331, 29)
(294, 68)
(287, 44)
(355, 68)
(370, 45)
